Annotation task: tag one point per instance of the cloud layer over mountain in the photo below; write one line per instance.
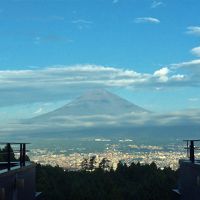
(102, 111)
(58, 82)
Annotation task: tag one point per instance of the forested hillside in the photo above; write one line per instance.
(136, 182)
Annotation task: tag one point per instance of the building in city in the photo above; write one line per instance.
(189, 175)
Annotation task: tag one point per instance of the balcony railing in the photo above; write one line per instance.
(8, 152)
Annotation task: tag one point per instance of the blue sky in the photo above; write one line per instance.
(45, 33)
(51, 51)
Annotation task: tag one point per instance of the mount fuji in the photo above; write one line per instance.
(100, 112)
(93, 103)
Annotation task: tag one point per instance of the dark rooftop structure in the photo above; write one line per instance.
(189, 174)
(17, 176)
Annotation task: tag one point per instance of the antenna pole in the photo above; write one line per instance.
(192, 151)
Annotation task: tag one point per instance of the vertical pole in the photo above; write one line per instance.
(20, 157)
(8, 155)
(24, 154)
(192, 151)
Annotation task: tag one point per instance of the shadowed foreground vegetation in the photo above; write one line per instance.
(136, 182)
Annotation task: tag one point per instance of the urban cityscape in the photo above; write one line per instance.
(71, 159)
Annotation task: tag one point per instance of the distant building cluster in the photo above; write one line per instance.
(74, 161)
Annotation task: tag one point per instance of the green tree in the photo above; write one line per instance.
(92, 162)
(4, 154)
(105, 164)
(84, 164)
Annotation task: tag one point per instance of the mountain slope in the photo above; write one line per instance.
(98, 102)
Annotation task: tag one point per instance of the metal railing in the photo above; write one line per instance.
(8, 151)
(191, 148)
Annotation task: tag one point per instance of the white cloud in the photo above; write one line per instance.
(147, 20)
(65, 82)
(196, 51)
(81, 23)
(39, 111)
(178, 77)
(51, 38)
(162, 74)
(193, 99)
(191, 71)
(71, 124)
(188, 64)
(115, 1)
(156, 4)
(193, 30)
